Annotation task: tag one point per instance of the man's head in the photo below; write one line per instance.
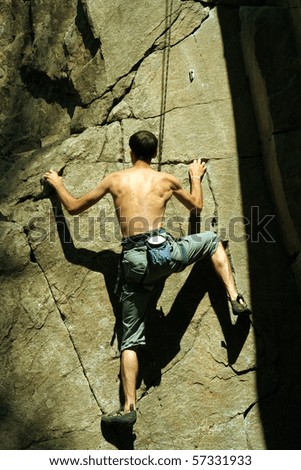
(144, 145)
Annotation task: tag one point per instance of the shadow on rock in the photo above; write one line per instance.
(119, 435)
(105, 262)
(164, 333)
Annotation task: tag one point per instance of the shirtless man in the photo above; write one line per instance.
(140, 195)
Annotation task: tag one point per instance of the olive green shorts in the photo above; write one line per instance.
(138, 275)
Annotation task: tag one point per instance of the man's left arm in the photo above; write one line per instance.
(193, 200)
(72, 204)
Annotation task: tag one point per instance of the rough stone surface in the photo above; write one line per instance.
(77, 79)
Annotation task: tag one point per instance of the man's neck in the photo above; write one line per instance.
(141, 164)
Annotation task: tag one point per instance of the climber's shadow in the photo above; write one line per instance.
(105, 262)
(121, 436)
(164, 333)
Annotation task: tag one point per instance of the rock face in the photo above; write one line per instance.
(218, 80)
(275, 83)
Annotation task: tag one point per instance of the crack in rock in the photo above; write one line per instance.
(91, 43)
(69, 333)
(60, 91)
(244, 371)
(214, 221)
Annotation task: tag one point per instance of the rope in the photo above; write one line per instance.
(165, 70)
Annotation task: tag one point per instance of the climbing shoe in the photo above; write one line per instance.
(121, 417)
(239, 306)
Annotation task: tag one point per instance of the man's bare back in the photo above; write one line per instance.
(140, 195)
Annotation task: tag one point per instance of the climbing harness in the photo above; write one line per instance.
(165, 70)
(158, 250)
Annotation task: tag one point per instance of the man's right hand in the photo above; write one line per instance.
(197, 169)
(53, 178)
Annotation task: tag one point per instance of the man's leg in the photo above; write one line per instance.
(129, 373)
(222, 267)
(200, 245)
(134, 307)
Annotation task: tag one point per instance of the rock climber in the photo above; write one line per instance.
(149, 252)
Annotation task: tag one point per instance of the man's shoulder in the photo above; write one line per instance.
(165, 174)
(170, 178)
(114, 178)
(121, 172)
(114, 174)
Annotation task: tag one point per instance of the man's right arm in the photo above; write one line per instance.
(77, 205)
(193, 200)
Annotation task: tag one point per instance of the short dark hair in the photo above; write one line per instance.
(144, 145)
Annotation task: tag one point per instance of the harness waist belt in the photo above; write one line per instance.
(140, 239)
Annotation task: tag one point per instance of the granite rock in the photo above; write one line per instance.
(77, 79)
